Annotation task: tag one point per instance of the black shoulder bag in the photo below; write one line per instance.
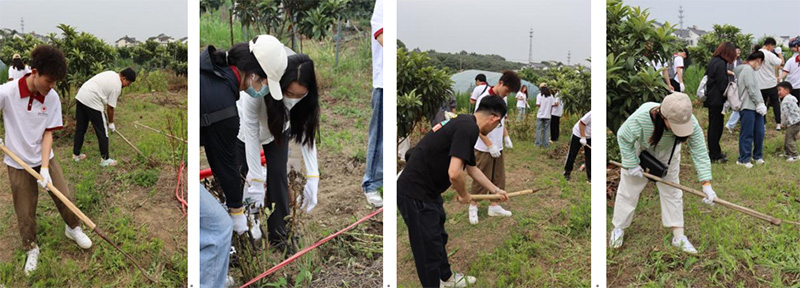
(651, 165)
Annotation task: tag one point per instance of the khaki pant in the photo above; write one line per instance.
(493, 168)
(630, 187)
(25, 192)
(789, 147)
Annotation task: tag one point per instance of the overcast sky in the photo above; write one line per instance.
(109, 20)
(758, 17)
(498, 27)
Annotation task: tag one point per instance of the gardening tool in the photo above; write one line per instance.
(587, 146)
(726, 204)
(137, 124)
(74, 209)
(498, 197)
(129, 143)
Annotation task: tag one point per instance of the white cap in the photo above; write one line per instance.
(677, 108)
(271, 56)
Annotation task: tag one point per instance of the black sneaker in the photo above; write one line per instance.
(566, 175)
(721, 160)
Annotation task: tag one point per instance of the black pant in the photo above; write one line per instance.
(574, 147)
(554, 120)
(277, 155)
(84, 115)
(425, 222)
(771, 99)
(219, 140)
(675, 84)
(716, 121)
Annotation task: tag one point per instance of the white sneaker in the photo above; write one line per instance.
(747, 165)
(32, 261)
(498, 210)
(108, 162)
(256, 229)
(778, 127)
(473, 214)
(457, 280)
(374, 199)
(76, 234)
(616, 238)
(791, 159)
(760, 161)
(78, 158)
(229, 282)
(684, 244)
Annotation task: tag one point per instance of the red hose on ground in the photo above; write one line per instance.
(205, 173)
(309, 248)
(180, 198)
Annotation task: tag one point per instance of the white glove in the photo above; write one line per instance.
(508, 142)
(112, 127)
(710, 194)
(761, 109)
(45, 172)
(450, 115)
(583, 141)
(310, 194)
(239, 223)
(256, 229)
(1, 142)
(255, 193)
(683, 87)
(779, 50)
(495, 151)
(635, 172)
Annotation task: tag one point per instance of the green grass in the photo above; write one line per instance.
(117, 199)
(519, 251)
(735, 250)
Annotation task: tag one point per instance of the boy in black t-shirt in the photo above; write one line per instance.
(436, 163)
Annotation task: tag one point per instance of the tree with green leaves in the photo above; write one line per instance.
(633, 43)
(701, 54)
(421, 89)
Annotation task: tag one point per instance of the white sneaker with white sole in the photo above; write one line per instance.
(791, 159)
(473, 214)
(615, 241)
(76, 234)
(684, 244)
(374, 199)
(497, 210)
(457, 280)
(32, 261)
(747, 165)
(108, 162)
(760, 161)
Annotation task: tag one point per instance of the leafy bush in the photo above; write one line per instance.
(632, 43)
(692, 77)
(700, 55)
(422, 89)
(575, 87)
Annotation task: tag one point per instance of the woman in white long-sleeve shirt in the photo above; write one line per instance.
(270, 124)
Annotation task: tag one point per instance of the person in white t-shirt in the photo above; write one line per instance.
(522, 102)
(31, 112)
(372, 181)
(791, 71)
(767, 80)
(18, 69)
(555, 116)
(676, 70)
(545, 101)
(489, 156)
(481, 86)
(581, 137)
(95, 94)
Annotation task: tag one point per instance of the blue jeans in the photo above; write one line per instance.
(733, 120)
(752, 134)
(373, 175)
(521, 113)
(542, 132)
(216, 229)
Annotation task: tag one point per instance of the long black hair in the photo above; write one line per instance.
(660, 126)
(17, 64)
(304, 116)
(240, 56)
(546, 91)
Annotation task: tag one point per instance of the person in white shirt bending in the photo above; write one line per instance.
(101, 90)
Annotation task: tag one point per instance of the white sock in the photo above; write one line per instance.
(677, 232)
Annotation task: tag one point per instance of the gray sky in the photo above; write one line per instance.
(109, 20)
(749, 15)
(498, 27)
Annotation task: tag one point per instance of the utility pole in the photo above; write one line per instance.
(530, 48)
(569, 56)
(680, 16)
(22, 25)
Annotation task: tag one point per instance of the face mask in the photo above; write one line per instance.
(290, 102)
(257, 94)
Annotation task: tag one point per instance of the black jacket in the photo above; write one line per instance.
(219, 86)
(717, 72)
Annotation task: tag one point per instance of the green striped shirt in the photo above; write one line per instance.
(639, 127)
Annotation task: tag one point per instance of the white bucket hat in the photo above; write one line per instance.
(271, 56)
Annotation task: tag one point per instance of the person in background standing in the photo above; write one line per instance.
(480, 87)
(732, 78)
(751, 136)
(717, 73)
(545, 101)
(791, 71)
(522, 103)
(676, 69)
(373, 173)
(555, 116)
(767, 80)
(18, 69)
(791, 120)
